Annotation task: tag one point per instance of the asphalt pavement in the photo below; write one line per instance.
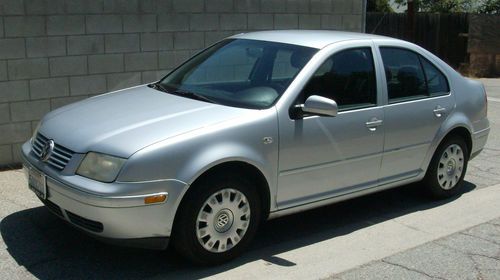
(395, 234)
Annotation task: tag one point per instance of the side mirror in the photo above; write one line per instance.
(318, 105)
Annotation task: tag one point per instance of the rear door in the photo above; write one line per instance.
(419, 100)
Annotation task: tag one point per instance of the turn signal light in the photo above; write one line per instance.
(155, 198)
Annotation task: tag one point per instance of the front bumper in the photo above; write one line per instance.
(114, 217)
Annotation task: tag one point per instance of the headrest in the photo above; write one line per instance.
(298, 60)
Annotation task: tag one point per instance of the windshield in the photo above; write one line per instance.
(239, 72)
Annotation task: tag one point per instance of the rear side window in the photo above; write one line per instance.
(410, 76)
(348, 77)
(436, 81)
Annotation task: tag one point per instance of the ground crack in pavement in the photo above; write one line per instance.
(411, 269)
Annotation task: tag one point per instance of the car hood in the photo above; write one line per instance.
(123, 122)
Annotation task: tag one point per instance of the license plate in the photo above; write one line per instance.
(37, 182)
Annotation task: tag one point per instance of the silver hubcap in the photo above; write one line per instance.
(450, 167)
(223, 220)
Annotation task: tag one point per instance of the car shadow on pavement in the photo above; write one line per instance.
(49, 248)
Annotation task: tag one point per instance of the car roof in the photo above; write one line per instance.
(309, 38)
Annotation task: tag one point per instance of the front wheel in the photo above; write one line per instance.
(217, 220)
(445, 175)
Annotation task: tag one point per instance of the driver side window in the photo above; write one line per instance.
(348, 77)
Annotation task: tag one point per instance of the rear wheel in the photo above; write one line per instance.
(217, 220)
(447, 169)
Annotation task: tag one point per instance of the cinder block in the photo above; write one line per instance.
(31, 68)
(3, 70)
(247, 6)
(68, 66)
(11, 7)
(357, 7)
(150, 6)
(194, 6)
(63, 101)
(342, 7)
(29, 110)
(12, 48)
(233, 21)
(173, 22)
(123, 80)
(65, 25)
(260, 21)
(171, 59)
(119, 43)
(84, 6)
(157, 41)
(219, 5)
(272, 6)
(48, 88)
(1, 28)
(141, 61)
(331, 22)
(104, 24)
(204, 22)
(44, 7)
(85, 44)
(286, 21)
(121, 6)
(188, 40)
(24, 26)
(215, 36)
(14, 91)
(105, 63)
(45, 46)
(309, 21)
(5, 155)
(352, 22)
(85, 85)
(16, 152)
(164, 6)
(4, 113)
(139, 23)
(321, 6)
(297, 6)
(15, 132)
(152, 76)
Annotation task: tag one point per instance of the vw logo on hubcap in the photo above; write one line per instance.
(47, 150)
(223, 220)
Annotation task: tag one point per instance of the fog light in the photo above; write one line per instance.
(158, 198)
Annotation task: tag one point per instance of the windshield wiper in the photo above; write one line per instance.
(193, 95)
(158, 86)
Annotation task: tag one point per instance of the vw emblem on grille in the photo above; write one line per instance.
(47, 150)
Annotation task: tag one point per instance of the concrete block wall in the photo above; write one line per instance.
(55, 52)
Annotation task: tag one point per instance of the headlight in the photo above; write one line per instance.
(100, 167)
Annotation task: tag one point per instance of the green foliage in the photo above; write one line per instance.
(456, 6)
(379, 6)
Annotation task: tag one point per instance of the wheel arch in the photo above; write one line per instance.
(240, 168)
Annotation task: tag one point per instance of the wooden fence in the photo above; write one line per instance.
(445, 35)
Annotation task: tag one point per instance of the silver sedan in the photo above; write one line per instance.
(257, 126)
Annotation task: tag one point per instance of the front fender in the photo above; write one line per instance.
(187, 156)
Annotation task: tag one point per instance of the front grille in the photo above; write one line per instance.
(85, 223)
(60, 156)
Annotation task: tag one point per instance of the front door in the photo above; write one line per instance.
(321, 156)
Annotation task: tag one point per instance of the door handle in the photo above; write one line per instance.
(439, 111)
(373, 124)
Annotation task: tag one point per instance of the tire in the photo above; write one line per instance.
(445, 174)
(220, 220)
